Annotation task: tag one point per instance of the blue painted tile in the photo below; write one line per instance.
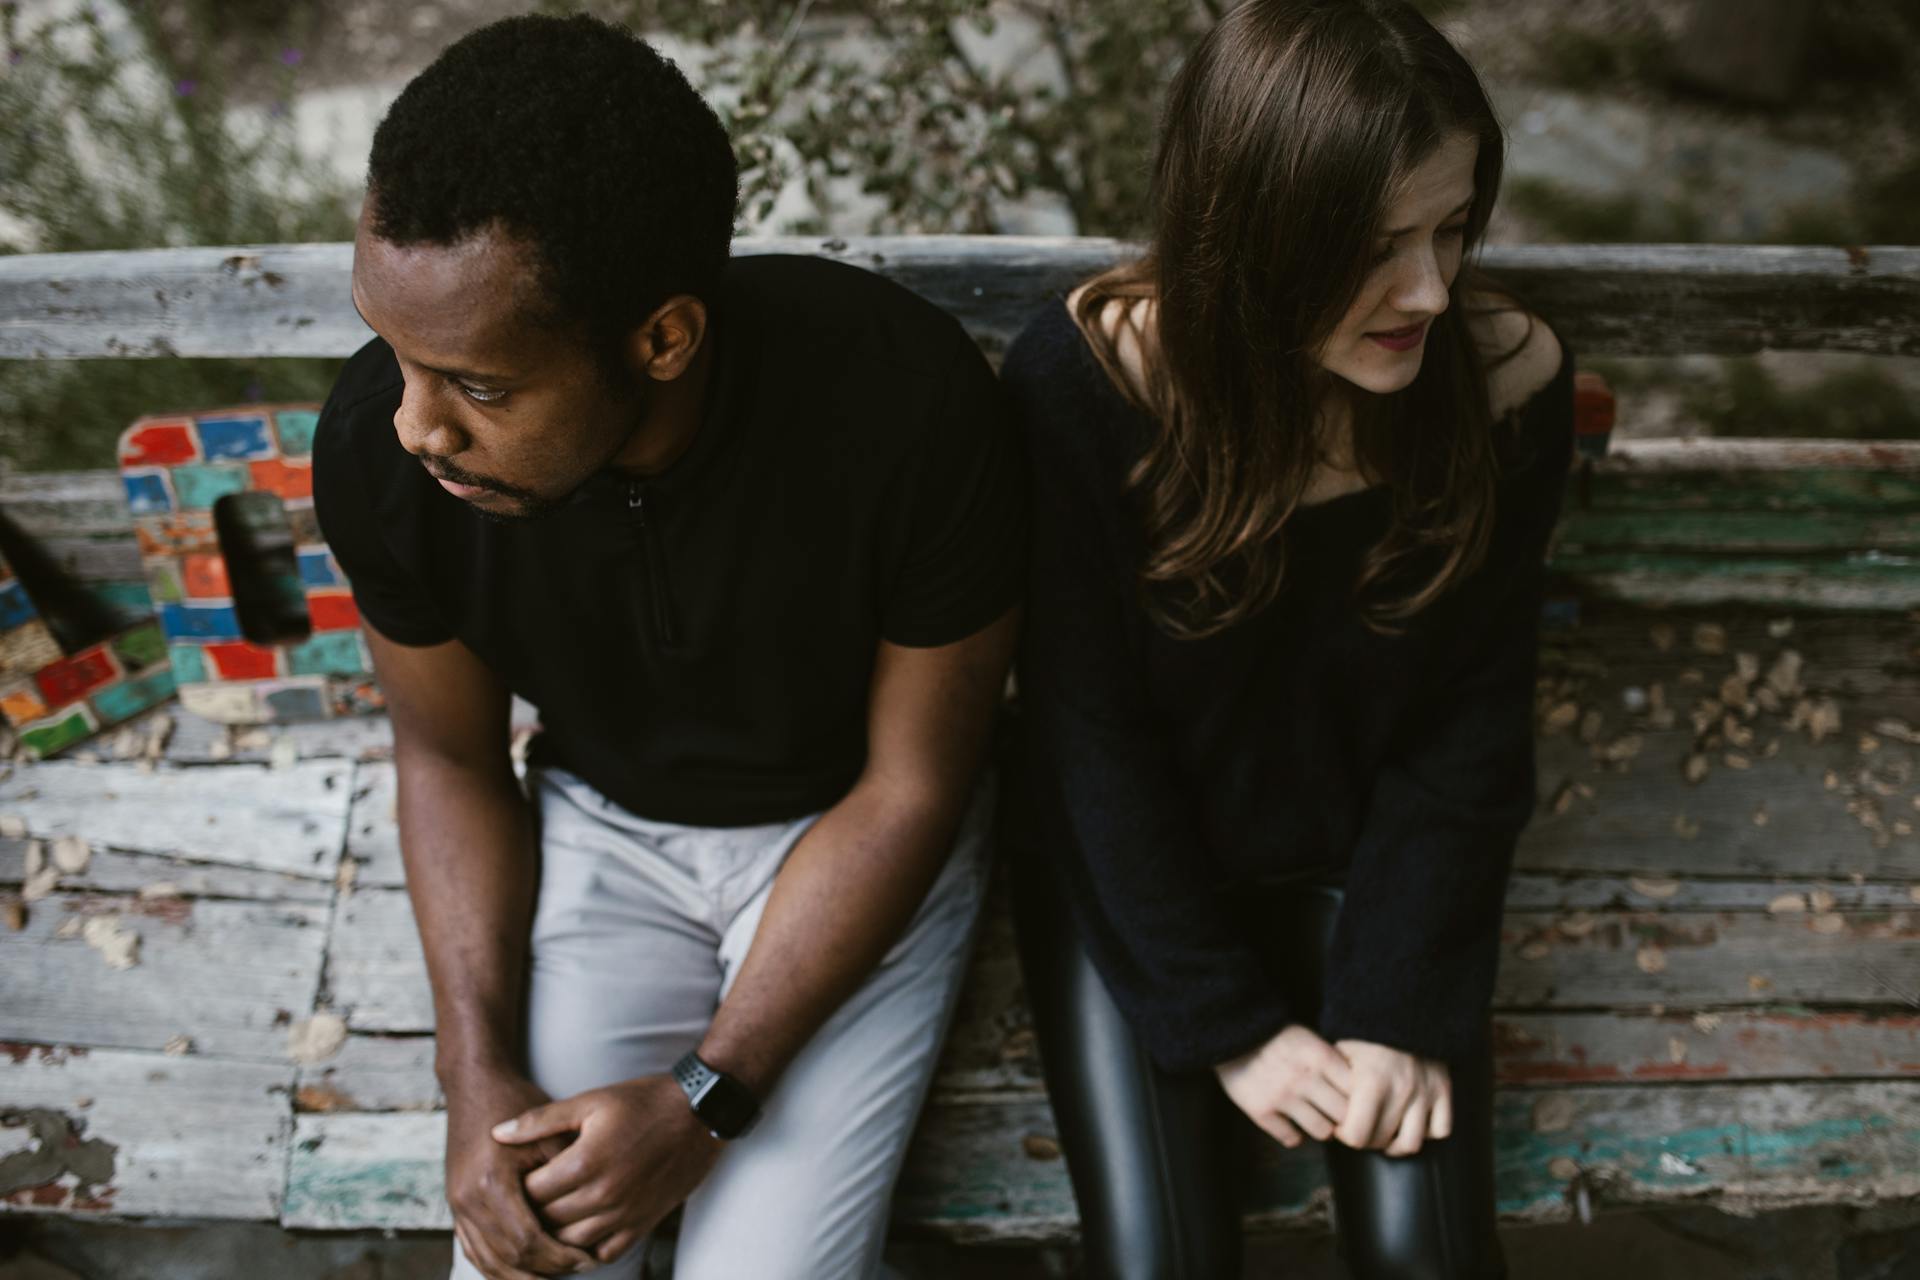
(316, 569)
(15, 607)
(201, 621)
(147, 493)
(232, 438)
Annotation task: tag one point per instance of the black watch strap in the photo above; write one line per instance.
(727, 1107)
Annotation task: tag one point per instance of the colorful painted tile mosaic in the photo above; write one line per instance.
(176, 470)
(54, 699)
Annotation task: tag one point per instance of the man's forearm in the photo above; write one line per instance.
(466, 837)
(845, 895)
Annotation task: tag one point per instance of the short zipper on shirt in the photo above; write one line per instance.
(653, 569)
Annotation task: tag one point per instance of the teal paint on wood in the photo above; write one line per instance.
(200, 486)
(296, 430)
(1742, 531)
(189, 663)
(128, 699)
(328, 653)
(386, 1192)
(1862, 567)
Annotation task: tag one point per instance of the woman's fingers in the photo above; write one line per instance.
(1440, 1122)
(1413, 1128)
(1279, 1128)
(1331, 1102)
(1363, 1113)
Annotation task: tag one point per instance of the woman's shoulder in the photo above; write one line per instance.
(1068, 402)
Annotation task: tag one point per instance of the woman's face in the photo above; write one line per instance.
(1381, 339)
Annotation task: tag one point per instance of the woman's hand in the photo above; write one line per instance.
(1397, 1100)
(1294, 1084)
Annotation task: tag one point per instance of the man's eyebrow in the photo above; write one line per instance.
(1459, 208)
(457, 375)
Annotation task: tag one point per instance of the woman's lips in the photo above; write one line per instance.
(1401, 339)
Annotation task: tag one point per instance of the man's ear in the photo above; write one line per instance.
(666, 342)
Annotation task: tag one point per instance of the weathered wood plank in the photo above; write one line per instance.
(112, 871)
(1722, 1044)
(230, 975)
(197, 740)
(372, 1073)
(376, 972)
(153, 1135)
(1893, 459)
(291, 820)
(373, 827)
(292, 300)
(973, 1175)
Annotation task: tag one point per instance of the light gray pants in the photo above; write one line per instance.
(638, 933)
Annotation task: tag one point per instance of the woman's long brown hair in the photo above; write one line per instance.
(1282, 138)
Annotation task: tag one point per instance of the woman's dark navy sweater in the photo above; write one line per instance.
(1167, 776)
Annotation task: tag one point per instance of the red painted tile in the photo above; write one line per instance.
(238, 660)
(273, 475)
(75, 677)
(332, 611)
(159, 444)
(204, 577)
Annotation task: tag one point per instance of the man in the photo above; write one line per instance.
(750, 535)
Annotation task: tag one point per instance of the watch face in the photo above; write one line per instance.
(726, 1106)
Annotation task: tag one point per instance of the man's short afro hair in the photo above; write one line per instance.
(577, 137)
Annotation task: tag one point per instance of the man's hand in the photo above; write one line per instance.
(1397, 1100)
(491, 1214)
(641, 1151)
(1294, 1083)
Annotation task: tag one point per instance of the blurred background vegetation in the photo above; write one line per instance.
(142, 123)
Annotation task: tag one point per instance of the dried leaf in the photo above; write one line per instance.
(343, 878)
(70, 927)
(1787, 902)
(1746, 666)
(317, 1038)
(1759, 982)
(1650, 958)
(1659, 714)
(13, 826)
(1706, 1023)
(71, 854)
(40, 884)
(1710, 637)
(1913, 892)
(159, 889)
(178, 1046)
(1563, 1167)
(1737, 734)
(117, 944)
(1783, 677)
(1868, 744)
(1831, 922)
(1649, 887)
(219, 749)
(1590, 725)
(1823, 719)
(1760, 818)
(1621, 750)
(159, 730)
(1780, 628)
(1676, 1049)
(1821, 899)
(1734, 760)
(16, 914)
(1553, 1113)
(1696, 767)
(1040, 1147)
(1898, 730)
(1578, 925)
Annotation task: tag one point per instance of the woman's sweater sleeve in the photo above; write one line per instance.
(1121, 819)
(1418, 938)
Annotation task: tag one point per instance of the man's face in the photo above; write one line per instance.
(510, 416)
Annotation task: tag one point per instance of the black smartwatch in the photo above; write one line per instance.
(727, 1107)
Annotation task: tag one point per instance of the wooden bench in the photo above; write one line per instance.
(1710, 987)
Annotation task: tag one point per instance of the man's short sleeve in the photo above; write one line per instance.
(965, 517)
(391, 600)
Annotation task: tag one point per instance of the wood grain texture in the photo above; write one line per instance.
(292, 300)
(972, 1174)
(290, 820)
(230, 975)
(185, 1137)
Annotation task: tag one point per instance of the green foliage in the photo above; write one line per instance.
(1857, 403)
(119, 135)
(888, 106)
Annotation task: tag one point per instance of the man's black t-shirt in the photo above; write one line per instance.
(699, 642)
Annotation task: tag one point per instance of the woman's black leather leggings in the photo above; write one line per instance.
(1156, 1158)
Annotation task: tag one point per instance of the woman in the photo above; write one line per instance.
(1294, 474)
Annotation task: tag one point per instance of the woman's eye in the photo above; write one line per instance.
(1454, 231)
(482, 395)
(1380, 257)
